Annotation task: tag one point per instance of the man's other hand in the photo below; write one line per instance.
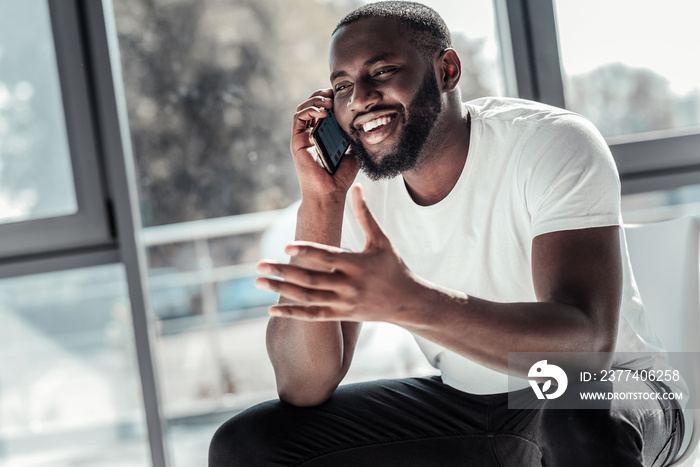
(373, 285)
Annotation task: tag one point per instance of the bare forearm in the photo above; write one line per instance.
(576, 276)
(486, 331)
(310, 359)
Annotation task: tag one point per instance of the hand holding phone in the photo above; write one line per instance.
(330, 141)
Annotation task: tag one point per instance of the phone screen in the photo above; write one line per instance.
(331, 142)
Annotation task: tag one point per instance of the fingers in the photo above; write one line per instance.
(305, 117)
(306, 313)
(314, 107)
(297, 293)
(302, 276)
(326, 256)
(325, 92)
(322, 98)
(304, 285)
(373, 232)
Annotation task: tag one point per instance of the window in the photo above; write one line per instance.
(70, 389)
(35, 167)
(50, 181)
(655, 206)
(652, 127)
(211, 87)
(627, 64)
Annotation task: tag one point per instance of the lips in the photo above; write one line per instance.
(376, 127)
(377, 122)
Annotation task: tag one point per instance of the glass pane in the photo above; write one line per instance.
(36, 178)
(630, 65)
(70, 392)
(654, 206)
(211, 87)
(473, 28)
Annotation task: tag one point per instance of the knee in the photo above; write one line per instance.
(244, 438)
(586, 426)
(589, 437)
(222, 444)
(223, 448)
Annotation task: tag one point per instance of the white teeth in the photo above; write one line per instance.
(372, 124)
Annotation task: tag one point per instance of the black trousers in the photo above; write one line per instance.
(423, 422)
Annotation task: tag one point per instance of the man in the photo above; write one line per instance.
(483, 228)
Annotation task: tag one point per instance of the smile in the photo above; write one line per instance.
(376, 130)
(377, 122)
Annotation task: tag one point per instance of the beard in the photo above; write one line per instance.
(423, 112)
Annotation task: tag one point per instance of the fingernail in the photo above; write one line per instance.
(262, 283)
(274, 312)
(292, 250)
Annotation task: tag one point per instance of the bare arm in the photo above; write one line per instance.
(577, 278)
(310, 359)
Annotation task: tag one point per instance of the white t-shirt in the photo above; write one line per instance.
(531, 169)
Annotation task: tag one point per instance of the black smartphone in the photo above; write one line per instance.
(331, 142)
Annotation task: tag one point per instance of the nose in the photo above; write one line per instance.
(364, 96)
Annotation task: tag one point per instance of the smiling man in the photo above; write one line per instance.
(483, 228)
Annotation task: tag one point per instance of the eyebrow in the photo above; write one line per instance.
(377, 58)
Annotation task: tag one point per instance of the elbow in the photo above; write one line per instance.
(301, 397)
(606, 344)
(605, 334)
(604, 350)
(308, 387)
(310, 391)
(601, 346)
(602, 339)
(597, 328)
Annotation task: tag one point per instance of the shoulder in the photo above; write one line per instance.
(525, 114)
(537, 125)
(538, 132)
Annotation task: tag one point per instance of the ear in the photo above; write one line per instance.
(450, 69)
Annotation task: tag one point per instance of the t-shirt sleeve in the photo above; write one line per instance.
(568, 177)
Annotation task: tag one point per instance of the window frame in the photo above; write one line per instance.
(90, 227)
(107, 227)
(646, 161)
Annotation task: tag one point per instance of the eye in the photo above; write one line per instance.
(384, 71)
(341, 87)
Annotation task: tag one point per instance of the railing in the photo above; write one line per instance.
(207, 277)
(199, 233)
(209, 228)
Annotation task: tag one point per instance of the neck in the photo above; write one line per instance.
(442, 164)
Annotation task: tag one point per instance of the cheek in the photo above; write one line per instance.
(343, 115)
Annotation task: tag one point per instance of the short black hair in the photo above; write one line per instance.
(425, 28)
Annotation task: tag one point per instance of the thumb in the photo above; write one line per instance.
(373, 232)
